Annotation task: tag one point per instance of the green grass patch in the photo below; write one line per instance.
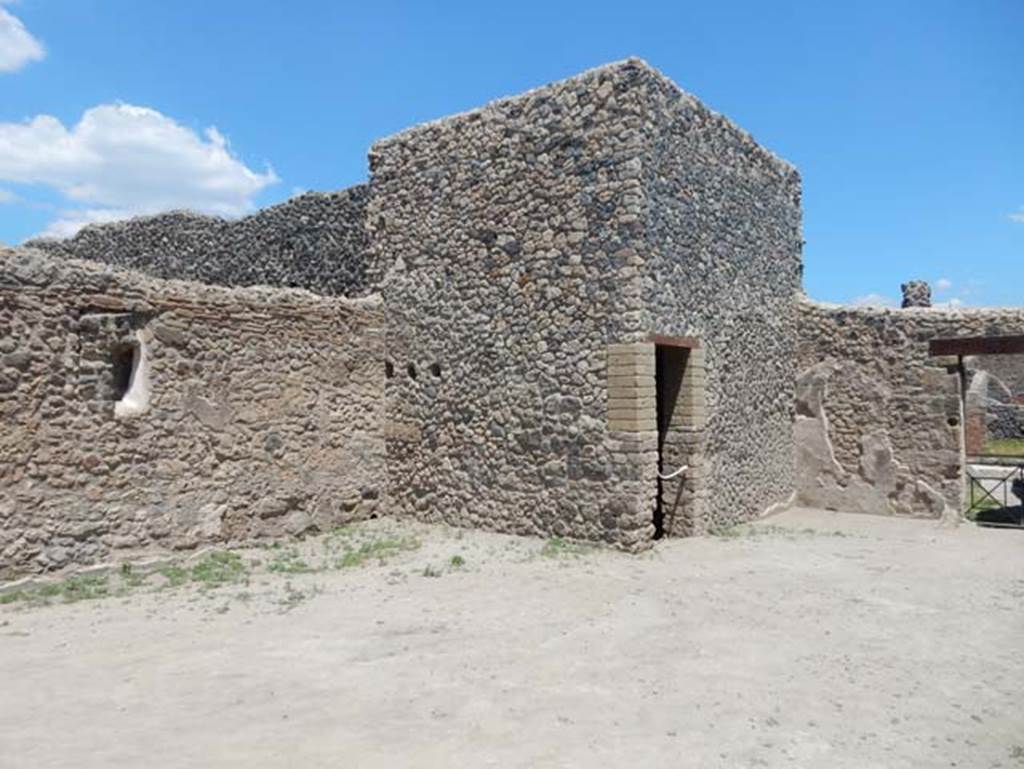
(289, 562)
(90, 588)
(1005, 447)
(556, 547)
(379, 549)
(131, 578)
(175, 575)
(12, 596)
(219, 568)
(726, 532)
(71, 590)
(345, 548)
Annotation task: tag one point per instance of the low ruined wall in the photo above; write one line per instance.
(879, 424)
(315, 241)
(1007, 369)
(1004, 421)
(140, 413)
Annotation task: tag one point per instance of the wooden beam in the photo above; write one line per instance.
(977, 345)
(689, 342)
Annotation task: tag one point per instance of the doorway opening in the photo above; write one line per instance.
(669, 364)
(679, 402)
(991, 424)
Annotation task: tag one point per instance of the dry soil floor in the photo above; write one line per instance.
(810, 640)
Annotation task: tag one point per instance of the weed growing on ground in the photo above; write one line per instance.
(289, 562)
(222, 567)
(131, 578)
(174, 574)
(381, 549)
(771, 530)
(561, 548)
(86, 588)
(457, 562)
(345, 547)
(71, 590)
(293, 596)
(430, 571)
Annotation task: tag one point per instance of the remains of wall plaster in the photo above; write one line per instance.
(315, 241)
(995, 400)
(879, 421)
(250, 412)
(135, 399)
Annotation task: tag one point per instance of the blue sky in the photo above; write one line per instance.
(906, 119)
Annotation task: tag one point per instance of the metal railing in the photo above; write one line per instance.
(996, 500)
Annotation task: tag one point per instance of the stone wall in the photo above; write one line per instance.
(537, 258)
(510, 229)
(916, 293)
(879, 421)
(1004, 421)
(1007, 369)
(531, 240)
(143, 413)
(723, 264)
(315, 241)
(995, 401)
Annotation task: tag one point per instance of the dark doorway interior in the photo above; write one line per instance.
(670, 365)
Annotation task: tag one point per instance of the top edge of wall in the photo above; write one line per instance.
(189, 215)
(896, 312)
(35, 269)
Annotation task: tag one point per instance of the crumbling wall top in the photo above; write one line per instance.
(316, 241)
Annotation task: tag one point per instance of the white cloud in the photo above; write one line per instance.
(943, 284)
(7, 197)
(1018, 215)
(17, 46)
(120, 160)
(71, 221)
(873, 300)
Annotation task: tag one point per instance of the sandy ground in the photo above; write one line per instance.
(813, 640)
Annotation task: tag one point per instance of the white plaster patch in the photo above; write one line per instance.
(136, 399)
